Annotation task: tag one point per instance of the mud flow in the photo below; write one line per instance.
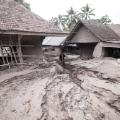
(81, 90)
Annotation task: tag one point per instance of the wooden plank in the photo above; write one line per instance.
(4, 65)
(17, 45)
(34, 33)
(33, 55)
(113, 45)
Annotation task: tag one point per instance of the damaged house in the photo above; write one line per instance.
(94, 39)
(22, 33)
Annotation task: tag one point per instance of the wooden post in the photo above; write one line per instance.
(19, 49)
(13, 53)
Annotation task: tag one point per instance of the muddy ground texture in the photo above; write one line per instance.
(82, 90)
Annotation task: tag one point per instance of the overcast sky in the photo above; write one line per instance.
(51, 8)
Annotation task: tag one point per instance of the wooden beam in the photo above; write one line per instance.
(8, 45)
(4, 65)
(114, 45)
(26, 33)
(19, 49)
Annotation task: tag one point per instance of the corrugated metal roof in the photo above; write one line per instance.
(53, 41)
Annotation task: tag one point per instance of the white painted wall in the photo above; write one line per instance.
(98, 51)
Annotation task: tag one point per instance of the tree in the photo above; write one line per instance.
(86, 12)
(71, 18)
(55, 21)
(23, 3)
(68, 21)
(105, 19)
(59, 21)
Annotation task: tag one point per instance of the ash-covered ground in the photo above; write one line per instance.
(82, 90)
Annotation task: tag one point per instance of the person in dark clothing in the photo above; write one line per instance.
(62, 58)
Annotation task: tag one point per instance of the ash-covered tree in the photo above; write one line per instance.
(105, 19)
(27, 5)
(69, 20)
(59, 21)
(87, 12)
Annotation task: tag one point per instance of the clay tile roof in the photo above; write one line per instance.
(115, 28)
(101, 31)
(15, 17)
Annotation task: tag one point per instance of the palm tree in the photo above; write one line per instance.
(59, 21)
(62, 21)
(68, 21)
(71, 18)
(86, 12)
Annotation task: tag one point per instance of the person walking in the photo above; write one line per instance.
(62, 58)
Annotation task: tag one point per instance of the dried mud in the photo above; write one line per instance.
(55, 93)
